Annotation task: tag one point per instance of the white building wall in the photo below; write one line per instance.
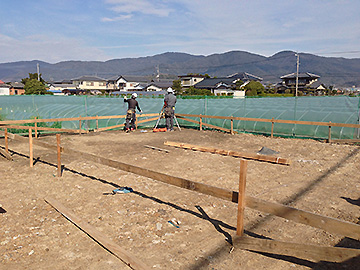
(4, 91)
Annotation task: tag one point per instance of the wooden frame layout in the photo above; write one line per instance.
(331, 225)
(272, 121)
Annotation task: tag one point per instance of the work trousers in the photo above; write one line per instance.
(169, 117)
(130, 119)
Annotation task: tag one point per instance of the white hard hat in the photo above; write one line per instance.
(134, 95)
(170, 90)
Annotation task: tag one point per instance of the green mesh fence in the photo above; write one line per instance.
(340, 109)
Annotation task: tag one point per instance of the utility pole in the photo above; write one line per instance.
(157, 73)
(38, 71)
(297, 75)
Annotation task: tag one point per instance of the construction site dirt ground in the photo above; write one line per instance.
(322, 178)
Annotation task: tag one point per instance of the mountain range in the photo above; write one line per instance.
(337, 71)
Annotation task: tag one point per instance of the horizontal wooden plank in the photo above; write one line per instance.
(121, 125)
(188, 119)
(46, 129)
(345, 140)
(304, 251)
(273, 120)
(108, 128)
(328, 224)
(50, 120)
(125, 256)
(265, 158)
(204, 124)
(147, 120)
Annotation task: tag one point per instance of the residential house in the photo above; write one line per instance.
(190, 80)
(17, 88)
(127, 83)
(244, 77)
(4, 89)
(88, 83)
(319, 88)
(305, 80)
(158, 86)
(227, 85)
(60, 88)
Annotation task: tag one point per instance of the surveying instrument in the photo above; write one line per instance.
(162, 115)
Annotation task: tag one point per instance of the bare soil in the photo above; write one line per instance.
(323, 178)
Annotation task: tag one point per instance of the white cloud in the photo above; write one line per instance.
(140, 6)
(50, 49)
(118, 18)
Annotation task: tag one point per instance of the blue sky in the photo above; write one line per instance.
(60, 30)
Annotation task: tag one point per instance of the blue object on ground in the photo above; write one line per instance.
(173, 224)
(122, 190)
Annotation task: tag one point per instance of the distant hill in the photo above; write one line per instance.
(332, 70)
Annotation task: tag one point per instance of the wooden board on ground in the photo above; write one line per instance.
(125, 256)
(5, 154)
(304, 251)
(265, 158)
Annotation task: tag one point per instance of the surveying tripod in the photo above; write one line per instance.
(162, 116)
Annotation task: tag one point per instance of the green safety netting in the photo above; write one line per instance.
(320, 109)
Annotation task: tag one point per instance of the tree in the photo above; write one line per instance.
(33, 76)
(177, 87)
(35, 87)
(192, 91)
(254, 88)
(238, 84)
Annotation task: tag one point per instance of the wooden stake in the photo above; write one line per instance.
(272, 127)
(97, 122)
(6, 141)
(58, 155)
(232, 127)
(31, 148)
(241, 198)
(80, 125)
(329, 138)
(36, 131)
(200, 124)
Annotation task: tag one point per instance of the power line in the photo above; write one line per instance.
(340, 52)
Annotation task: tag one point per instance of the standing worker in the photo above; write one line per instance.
(131, 112)
(169, 109)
